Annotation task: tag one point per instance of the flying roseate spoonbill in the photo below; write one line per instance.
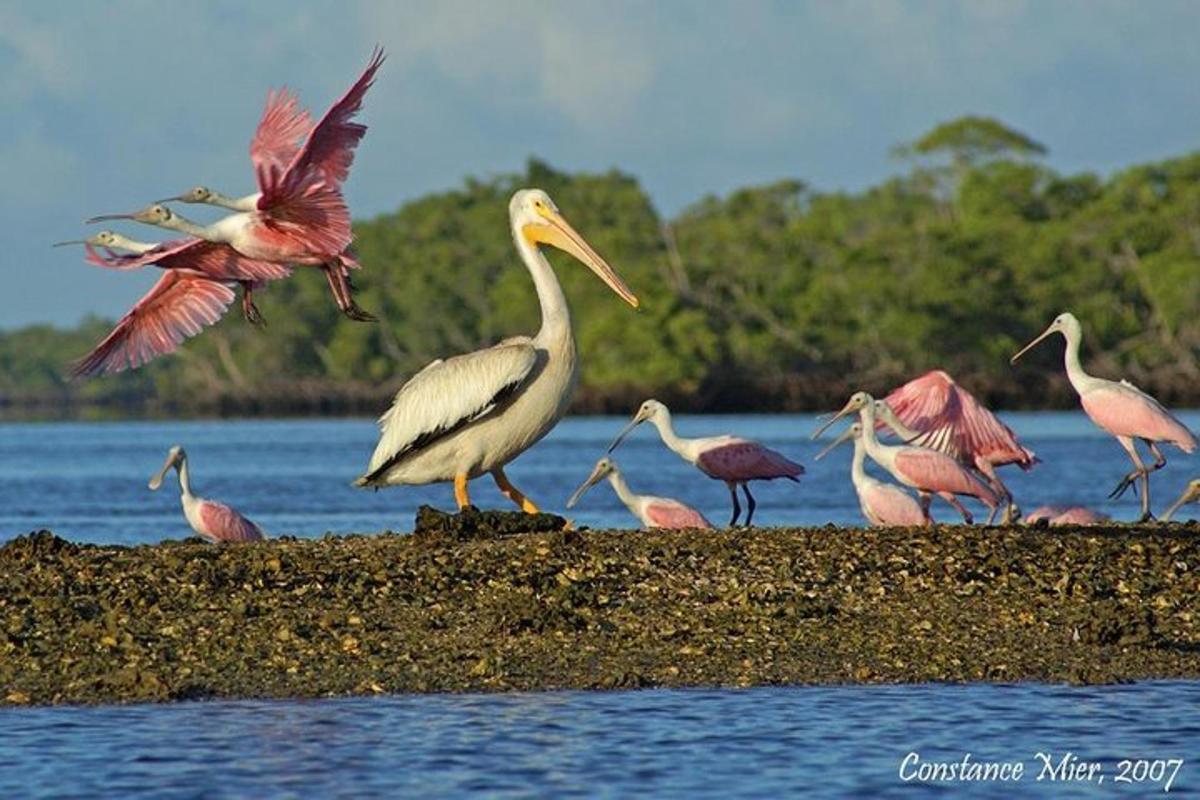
(938, 413)
(327, 148)
(1191, 494)
(471, 414)
(214, 521)
(654, 512)
(299, 215)
(195, 256)
(731, 459)
(928, 471)
(1121, 409)
(883, 504)
(1065, 515)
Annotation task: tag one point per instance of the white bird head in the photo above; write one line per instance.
(647, 411)
(153, 214)
(859, 401)
(1065, 323)
(537, 220)
(101, 239)
(175, 456)
(849, 435)
(604, 467)
(197, 194)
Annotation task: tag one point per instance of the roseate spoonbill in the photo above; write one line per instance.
(214, 521)
(928, 471)
(730, 459)
(299, 215)
(1121, 409)
(882, 503)
(472, 414)
(936, 412)
(1191, 494)
(195, 256)
(328, 147)
(654, 512)
(1065, 515)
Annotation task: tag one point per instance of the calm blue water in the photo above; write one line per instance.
(87, 481)
(814, 742)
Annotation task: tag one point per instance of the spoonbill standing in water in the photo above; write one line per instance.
(214, 521)
(1121, 409)
(471, 414)
(1191, 494)
(731, 459)
(883, 504)
(654, 512)
(933, 411)
(928, 471)
(298, 216)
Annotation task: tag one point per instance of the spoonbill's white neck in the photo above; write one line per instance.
(132, 245)
(556, 316)
(1075, 374)
(678, 444)
(858, 472)
(185, 483)
(177, 222)
(246, 203)
(871, 443)
(617, 480)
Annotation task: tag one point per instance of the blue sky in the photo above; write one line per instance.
(109, 105)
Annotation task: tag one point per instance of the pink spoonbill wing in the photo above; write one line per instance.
(277, 139)
(954, 422)
(675, 515)
(179, 306)
(937, 472)
(223, 524)
(891, 506)
(211, 259)
(747, 461)
(1124, 410)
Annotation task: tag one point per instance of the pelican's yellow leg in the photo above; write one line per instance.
(460, 491)
(512, 493)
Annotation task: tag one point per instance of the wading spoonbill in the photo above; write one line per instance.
(730, 459)
(654, 512)
(1191, 494)
(212, 520)
(928, 471)
(883, 504)
(1121, 409)
(471, 414)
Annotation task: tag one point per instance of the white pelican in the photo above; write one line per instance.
(468, 415)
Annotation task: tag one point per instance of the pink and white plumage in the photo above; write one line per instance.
(299, 215)
(939, 414)
(179, 306)
(1121, 409)
(211, 519)
(1065, 515)
(883, 504)
(928, 471)
(731, 459)
(654, 512)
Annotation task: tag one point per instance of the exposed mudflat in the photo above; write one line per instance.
(497, 601)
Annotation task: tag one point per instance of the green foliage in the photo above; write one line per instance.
(773, 297)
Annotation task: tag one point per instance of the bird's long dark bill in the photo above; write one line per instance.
(1029, 346)
(558, 232)
(845, 437)
(157, 480)
(72, 241)
(106, 217)
(592, 480)
(176, 199)
(621, 436)
(845, 410)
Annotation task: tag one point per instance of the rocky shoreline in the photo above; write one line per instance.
(495, 602)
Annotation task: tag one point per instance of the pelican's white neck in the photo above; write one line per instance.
(556, 316)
